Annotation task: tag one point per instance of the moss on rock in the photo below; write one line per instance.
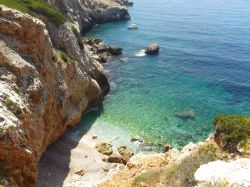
(14, 108)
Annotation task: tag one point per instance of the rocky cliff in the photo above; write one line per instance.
(87, 13)
(47, 80)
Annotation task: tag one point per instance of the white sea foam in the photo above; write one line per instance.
(124, 59)
(141, 53)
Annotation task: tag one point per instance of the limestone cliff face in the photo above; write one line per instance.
(87, 13)
(42, 90)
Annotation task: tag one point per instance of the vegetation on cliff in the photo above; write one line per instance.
(78, 36)
(36, 7)
(182, 173)
(232, 132)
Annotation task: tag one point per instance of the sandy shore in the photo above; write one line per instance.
(73, 161)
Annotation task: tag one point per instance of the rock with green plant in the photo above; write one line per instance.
(47, 79)
(232, 133)
(208, 163)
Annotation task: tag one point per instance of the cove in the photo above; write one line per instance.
(203, 68)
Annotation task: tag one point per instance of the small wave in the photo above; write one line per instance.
(124, 59)
(141, 53)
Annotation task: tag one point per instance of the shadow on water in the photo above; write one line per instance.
(54, 165)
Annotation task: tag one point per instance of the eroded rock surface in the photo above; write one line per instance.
(221, 173)
(100, 51)
(47, 81)
(87, 13)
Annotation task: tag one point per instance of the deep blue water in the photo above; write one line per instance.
(203, 67)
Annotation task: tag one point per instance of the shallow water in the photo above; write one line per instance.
(203, 67)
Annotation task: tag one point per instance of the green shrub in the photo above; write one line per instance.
(36, 7)
(232, 131)
(16, 110)
(78, 36)
(179, 174)
(63, 56)
(2, 133)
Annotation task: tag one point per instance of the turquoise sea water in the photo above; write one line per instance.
(203, 66)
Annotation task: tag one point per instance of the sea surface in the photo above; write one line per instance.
(203, 69)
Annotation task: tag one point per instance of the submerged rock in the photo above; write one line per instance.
(152, 49)
(94, 137)
(186, 115)
(137, 139)
(104, 148)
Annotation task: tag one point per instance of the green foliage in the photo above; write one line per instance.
(232, 131)
(36, 7)
(78, 36)
(2, 171)
(210, 151)
(179, 174)
(63, 56)
(13, 107)
(2, 132)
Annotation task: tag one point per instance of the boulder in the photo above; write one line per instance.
(126, 153)
(166, 147)
(94, 137)
(133, 27)
(115, 51)
(102, 48)
(80, 172)
(104, 148)
(152, 49)
(130, 3)
(115, 159)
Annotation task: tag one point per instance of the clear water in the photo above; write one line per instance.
(203, 66)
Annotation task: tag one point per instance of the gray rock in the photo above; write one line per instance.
(115, 51)
(152, 49)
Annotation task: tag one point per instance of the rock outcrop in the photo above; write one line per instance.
(193, 165)
(47, 80)
(100, 51)
(87, 13)
(221, 173)
(152, 49)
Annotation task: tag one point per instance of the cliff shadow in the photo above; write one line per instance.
(54, 165)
